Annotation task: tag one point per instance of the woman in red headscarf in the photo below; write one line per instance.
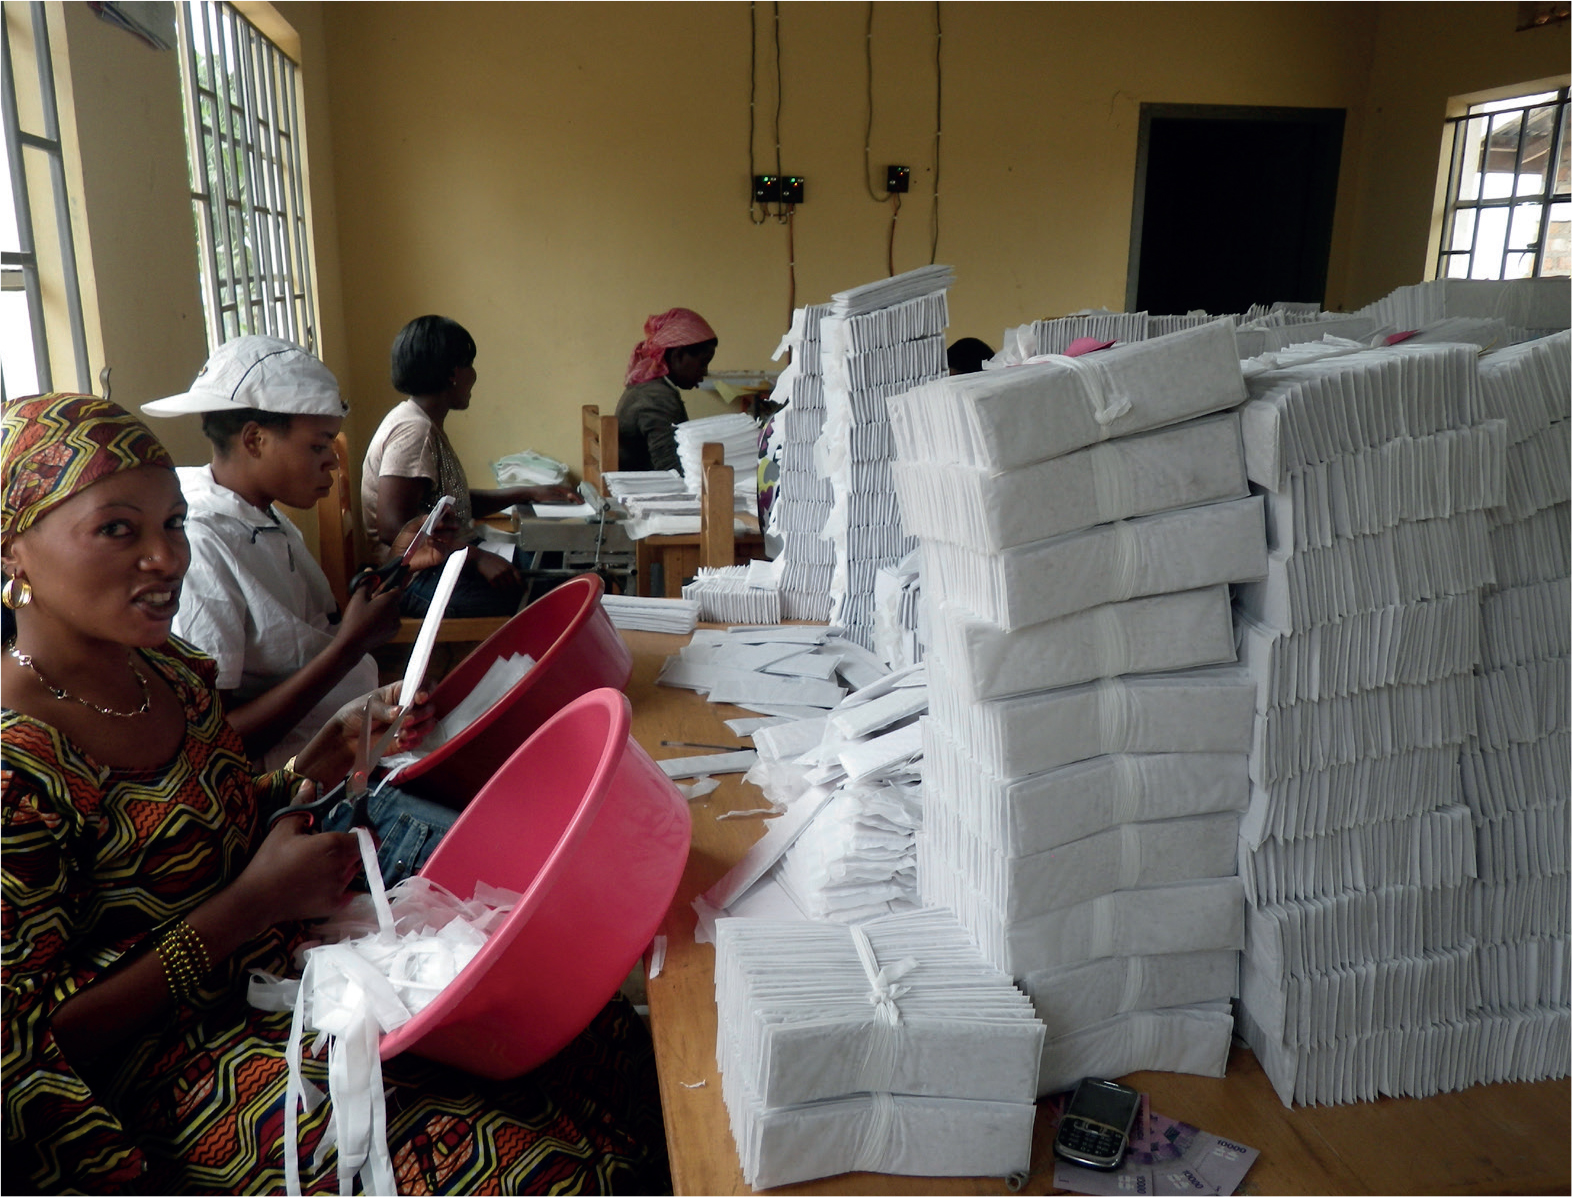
(673, 357)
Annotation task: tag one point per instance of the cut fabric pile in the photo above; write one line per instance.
(887, 1047)
(383, 959)
(1081, 519)
(638, 614)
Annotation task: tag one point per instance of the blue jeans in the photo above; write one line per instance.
(407, 828)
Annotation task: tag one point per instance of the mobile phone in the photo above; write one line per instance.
(1095, 1129)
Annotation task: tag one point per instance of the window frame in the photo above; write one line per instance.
(1456, 143)
(258, 134)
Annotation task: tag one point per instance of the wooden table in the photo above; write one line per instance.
(1487, 1139)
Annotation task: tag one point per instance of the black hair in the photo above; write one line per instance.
(696, 347)
(222, 427)
(426, 352)
(967, 355)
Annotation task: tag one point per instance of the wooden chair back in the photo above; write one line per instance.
(337, 547)
(717, 536)
(600, 446)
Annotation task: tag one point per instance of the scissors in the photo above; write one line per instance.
(394, 572)
(355, 789)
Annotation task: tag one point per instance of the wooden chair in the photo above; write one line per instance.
(600, 447)
(338, 549)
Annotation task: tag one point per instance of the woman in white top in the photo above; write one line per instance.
(410, 464)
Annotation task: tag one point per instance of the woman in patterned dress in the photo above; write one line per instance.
(141, 884)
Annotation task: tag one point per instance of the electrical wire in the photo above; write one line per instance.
(938, 124)
(781, 209)
(791, 261)
(753, 92)
(895, 214)
(867, 136)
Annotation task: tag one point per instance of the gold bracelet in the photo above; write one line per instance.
(185, 960)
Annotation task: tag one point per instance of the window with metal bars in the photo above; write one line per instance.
(39, 290)
(248, 187)
(1509, 190)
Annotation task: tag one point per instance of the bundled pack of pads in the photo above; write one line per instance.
(1081, 519)
(886, 1047)
(1400, 941)
(803, 497)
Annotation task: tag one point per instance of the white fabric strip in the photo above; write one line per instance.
(1134, 983)
(1129, 789)
(878, 1066)
(874, 1144)
(1110, 641)
(1113, 488)
(1113, 715)
(1097, 382)
(1127, 563)
(1129, 855)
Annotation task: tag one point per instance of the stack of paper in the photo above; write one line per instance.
(803, 497)
(898, 634)
(738, 435)
(878, 340)
(638, 614)
(1085, 750)
(1364, 640)
(1531, 307)
(889, 1047)
(734, 594)
(1515, 768)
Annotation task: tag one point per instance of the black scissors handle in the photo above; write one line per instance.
(318, 811)
(391, 574)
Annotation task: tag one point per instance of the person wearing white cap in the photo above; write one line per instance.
(255, 599)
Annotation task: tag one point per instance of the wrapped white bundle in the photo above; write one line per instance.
(1190, 916)
(1319, 801)
(1155, 554)
(1536, 471)
(1406, 563)
(901, 1004)
(1068, 999)
(1528, 972)
(1409, 645)
(1513, 777)
(1419, 1062)
(1024, 815)
(1317, 410)
(1433, 848)
(1531, 842)
(1370, 723)
(1192, 1039)
(1522, 703)
(1128, 856)
(1005, 419)
(630, 611)
(879, 1132)
(1533, 550)
(917, 284)
(1200, 710)
(1201, 461)
(1410, 478)
(1531, 906)
(1155, 634)
(1318, 935)
(1524, 302)
(1054, 336)
(1528, 385)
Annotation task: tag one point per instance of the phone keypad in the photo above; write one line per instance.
(1090, 1138)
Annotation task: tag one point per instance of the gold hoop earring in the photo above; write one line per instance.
(16, 593)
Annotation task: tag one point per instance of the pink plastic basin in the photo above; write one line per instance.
(585, 825)
(576, 649)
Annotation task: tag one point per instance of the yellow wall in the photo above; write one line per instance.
(549, 174)
(1424, 55)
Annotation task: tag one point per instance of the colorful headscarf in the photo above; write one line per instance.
(669, 330)
(55, 446)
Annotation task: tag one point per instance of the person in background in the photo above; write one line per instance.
(141, 881)
(967, 355)
(255, 600)
(410, 464)
(673, 357)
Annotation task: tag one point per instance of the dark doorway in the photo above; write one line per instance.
(1233, 206)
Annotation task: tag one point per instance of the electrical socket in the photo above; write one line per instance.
(897, 179)
(777, 189)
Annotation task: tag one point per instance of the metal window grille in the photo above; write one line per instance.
(248, 191)
(1509, 194)
(27, 366)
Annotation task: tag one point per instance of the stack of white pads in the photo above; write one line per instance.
(889, 1047)
(1362, 973)
(803, 497)
(877, 340)
(1085, 756)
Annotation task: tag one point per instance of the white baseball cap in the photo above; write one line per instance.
(258, 374)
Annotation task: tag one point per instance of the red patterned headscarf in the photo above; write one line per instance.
(55, 446)
(669, 330)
